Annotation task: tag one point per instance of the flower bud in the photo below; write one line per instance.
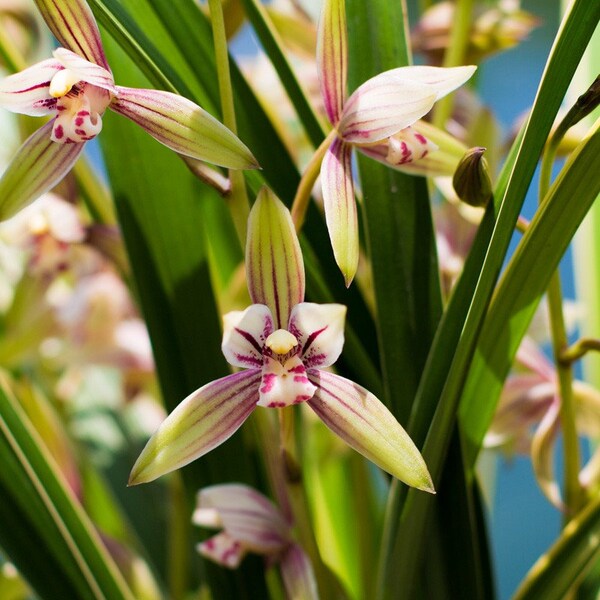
(471, 181)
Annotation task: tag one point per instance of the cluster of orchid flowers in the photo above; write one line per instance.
(283, 345)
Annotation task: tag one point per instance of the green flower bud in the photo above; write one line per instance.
(471, 181)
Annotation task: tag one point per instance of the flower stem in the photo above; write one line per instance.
(237, 199)
(307, 182)
(455, 55)
(9, 53)
(579, 349)
(572, 461)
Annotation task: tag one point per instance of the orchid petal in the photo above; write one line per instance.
(85, 70)
(531, 357)
(320, 330)
(204, 420)
(340, 207)
(183, 126)
(244, 335)
(332, 57)
(297, 574)
(365, 424)
(27, 92)
(223, 549)
(245, 514)
(274, 266)
(284, 385)
(36, 168)
(393, 100)
(75, 28)
(542, 455)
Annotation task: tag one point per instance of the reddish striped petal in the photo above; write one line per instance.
(340, 207)
(244, 335)
(274, 266)
(86, 70)
(27, 92)
(332, 57)
(74, 26)
(37, 167)
(203, 421)
(183, 126)
(365, 424)
(297, 574)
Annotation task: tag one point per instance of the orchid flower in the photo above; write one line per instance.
(252, 523)
(530, 399)
(376, 120)
(283, 344)
(75, 87)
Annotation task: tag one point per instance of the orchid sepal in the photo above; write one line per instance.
(365, 424)
(183, 126)
(201, 422)
(37, 167)
(273, 258)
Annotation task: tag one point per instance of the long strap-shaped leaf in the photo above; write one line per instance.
(44, 530)
(555, 572)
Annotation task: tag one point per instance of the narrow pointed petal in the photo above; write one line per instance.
(340, 207)
(244, 335)
(284, 385)
(297, 573)
(395, 99)
(183, 126)
(542, 455)
(320, 330)
(332, 57)
(86, 70)
(204, 420)
(27, 92)
(365, 424)
(245, 514)
(37, 167)
(274, 266)
(223, 549)
(75, 28)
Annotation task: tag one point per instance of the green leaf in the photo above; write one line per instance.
(399, 231)
(44, 530)
(556, 572)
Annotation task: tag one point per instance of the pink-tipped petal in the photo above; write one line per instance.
(542, 455)
(244, 514)
(244, 335)
(183, 126)
(284, 384)
(340, 207)
(27, 92)
(297, 573)
(332, 57)
(37, 167)
(319, 329)
(204, 420)
(85, 70)
(365, 424)
(274, 266)
(75, 28)
(223, 549)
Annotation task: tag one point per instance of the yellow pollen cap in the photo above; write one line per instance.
(281, 341)
(62, 82)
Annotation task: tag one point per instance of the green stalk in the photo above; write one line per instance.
(455, 55)
(237, 199)
(9, 53)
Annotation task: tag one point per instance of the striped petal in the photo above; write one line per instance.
(340, 207)
(183, 126)
(203, 421)
(365, 424)
(74, 26)
(297, 574)
(395, 99)
(27, 92)
(274, 266)
(319, 328)
(332, 57)
(85, 70)
(37, 167)
(244, 335)
(245, 515)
